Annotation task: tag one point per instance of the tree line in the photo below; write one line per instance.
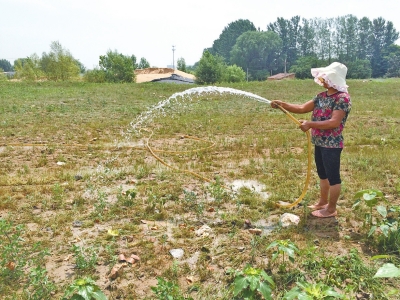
(244, 52)
(297, 45)
(59, 65)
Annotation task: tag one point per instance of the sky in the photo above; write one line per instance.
(152, 28)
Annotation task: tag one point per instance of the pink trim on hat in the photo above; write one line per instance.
(330, 83)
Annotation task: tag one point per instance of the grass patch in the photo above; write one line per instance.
(75, 168)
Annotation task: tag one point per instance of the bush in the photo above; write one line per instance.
(96, 75)
(359, 69)
(302, 67)
(181, 64)
(210, 69)
(118, 67)
(29, 68)
(394, 65)
(59, 64)
(3, 77)
(234, 74)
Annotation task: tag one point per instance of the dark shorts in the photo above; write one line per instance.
(327, 161)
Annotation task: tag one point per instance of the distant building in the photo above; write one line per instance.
(281, 76)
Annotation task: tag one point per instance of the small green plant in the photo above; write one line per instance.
(388, 270)
(389, 226)
(110, 251)
(312, 291)
(389, 229)
(84, 289)
(85, 258)
(189, 200)
(155, 206)
(254, 242)
(283, 247)
(12, 262)
(370, 198)
(166, 290)
(173, 271)
(252, 283)
(127, 198)
(218, 191)
(58, 194)
(191, 203)
(39, 286)
(19, 264)
(100, 205)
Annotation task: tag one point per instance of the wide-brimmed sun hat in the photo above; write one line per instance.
(334, 75)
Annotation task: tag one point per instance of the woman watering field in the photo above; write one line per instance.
(330, 110)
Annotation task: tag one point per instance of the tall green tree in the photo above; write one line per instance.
(364, 48)
(302, 67)
(59, 64)
(134, 62)
(143, 64)
(28, 68)
(394, 66)
(181, 64)
(256, 51)
(289, 32)
(118, 67)
(345, 38)
(324, 39)
(306, 39)
(227, 39)
(359, 69)
(393, 61)
(383, 35)
(5, 65)
(210, 69)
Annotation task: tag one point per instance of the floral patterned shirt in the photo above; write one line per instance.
(324, 106)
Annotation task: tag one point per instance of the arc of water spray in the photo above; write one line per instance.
(212, 89)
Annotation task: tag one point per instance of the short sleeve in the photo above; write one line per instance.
(343, 102)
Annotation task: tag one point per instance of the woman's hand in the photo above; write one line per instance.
(276, 103)
(305, 125)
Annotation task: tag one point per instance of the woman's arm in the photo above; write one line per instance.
(334, 122)
(294, 108)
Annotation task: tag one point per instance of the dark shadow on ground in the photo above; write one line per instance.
(323, 227)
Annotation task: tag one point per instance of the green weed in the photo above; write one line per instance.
(305, 290)
(84, 289)
(251, 283)
(85, 258)
(167, 290)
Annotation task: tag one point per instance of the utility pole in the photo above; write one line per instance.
(173, 57)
